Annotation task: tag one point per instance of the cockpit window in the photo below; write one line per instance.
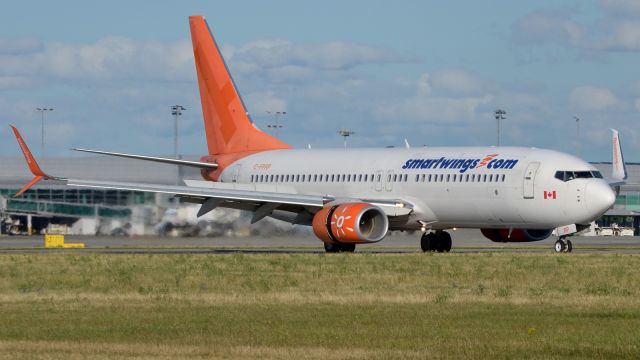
(570, 175)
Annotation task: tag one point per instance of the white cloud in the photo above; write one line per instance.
(591, 98)
(272, 53)
(109, 58)
(624, 36)
(544, 26)
(261, 102)
(455, 81)
(621, 7)
(436, 108)
(19, 46)
(617, 30)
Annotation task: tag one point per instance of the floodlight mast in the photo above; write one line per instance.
(42, 110)
(499, 115)
(276, 126)
(577, 135)
(176, 111)
(345, 133)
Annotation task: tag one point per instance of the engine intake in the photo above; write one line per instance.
(350, 223)
(517, 235)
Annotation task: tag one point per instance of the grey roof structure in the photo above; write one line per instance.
(14, 171)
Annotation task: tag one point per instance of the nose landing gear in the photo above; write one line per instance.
(439, 241)
(563, 245)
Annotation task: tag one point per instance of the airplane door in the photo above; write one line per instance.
(236, 173)
(378, 180)
(388, 184)
(528, 183)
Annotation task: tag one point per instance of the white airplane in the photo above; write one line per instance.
(356, 196)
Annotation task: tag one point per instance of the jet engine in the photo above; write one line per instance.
(517, 235)
(350, 223)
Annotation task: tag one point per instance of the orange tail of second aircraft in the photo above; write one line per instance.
(227, 124)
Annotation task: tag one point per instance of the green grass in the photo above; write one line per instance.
(532, 306)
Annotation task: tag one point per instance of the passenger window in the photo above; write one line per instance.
(503, 176)
(455, 177)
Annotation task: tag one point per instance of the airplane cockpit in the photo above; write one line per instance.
(571, 175)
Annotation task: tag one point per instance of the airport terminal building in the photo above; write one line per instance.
(51, 206)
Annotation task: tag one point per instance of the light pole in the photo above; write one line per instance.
(577, 135)
(345, 133)
(277, 125)
(42, 110)
(499, 115)
(176, 111)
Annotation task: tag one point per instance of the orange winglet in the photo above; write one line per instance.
(31, 162)
(29, 185)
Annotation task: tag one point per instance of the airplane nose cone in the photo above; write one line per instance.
(600, 197)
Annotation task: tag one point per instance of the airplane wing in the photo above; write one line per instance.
(198, 164)
(211, 195)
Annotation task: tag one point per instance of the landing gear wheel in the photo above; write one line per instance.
(336, 248)
(332, 248)
(569, 246)
(560, 246)
(445, 240)
(427, 241)
(439, 241)
(348, 248)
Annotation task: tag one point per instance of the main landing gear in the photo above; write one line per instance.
(439, 241)
(563, 245)
(336, 247)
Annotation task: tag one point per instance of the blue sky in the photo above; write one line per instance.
(428, 71)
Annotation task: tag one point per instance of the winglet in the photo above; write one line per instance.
(31, 162)
(618, 167)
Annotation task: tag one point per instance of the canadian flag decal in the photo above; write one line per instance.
(550, 194)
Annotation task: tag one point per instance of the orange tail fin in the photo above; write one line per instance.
(227, 124)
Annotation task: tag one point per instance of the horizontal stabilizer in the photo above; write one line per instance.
(197, 164)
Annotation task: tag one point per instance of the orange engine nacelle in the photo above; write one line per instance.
(517, 235)
(350, 223)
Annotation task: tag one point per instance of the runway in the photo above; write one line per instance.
(464, 241)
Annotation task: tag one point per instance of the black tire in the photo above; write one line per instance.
(426, 242)
(569, 246)
(332, 248)
(446, 241)
(559, 246)
(348, 248)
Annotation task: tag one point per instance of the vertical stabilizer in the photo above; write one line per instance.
(618, 168)
(227, 124)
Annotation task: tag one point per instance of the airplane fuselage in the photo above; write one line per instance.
(465, 187)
